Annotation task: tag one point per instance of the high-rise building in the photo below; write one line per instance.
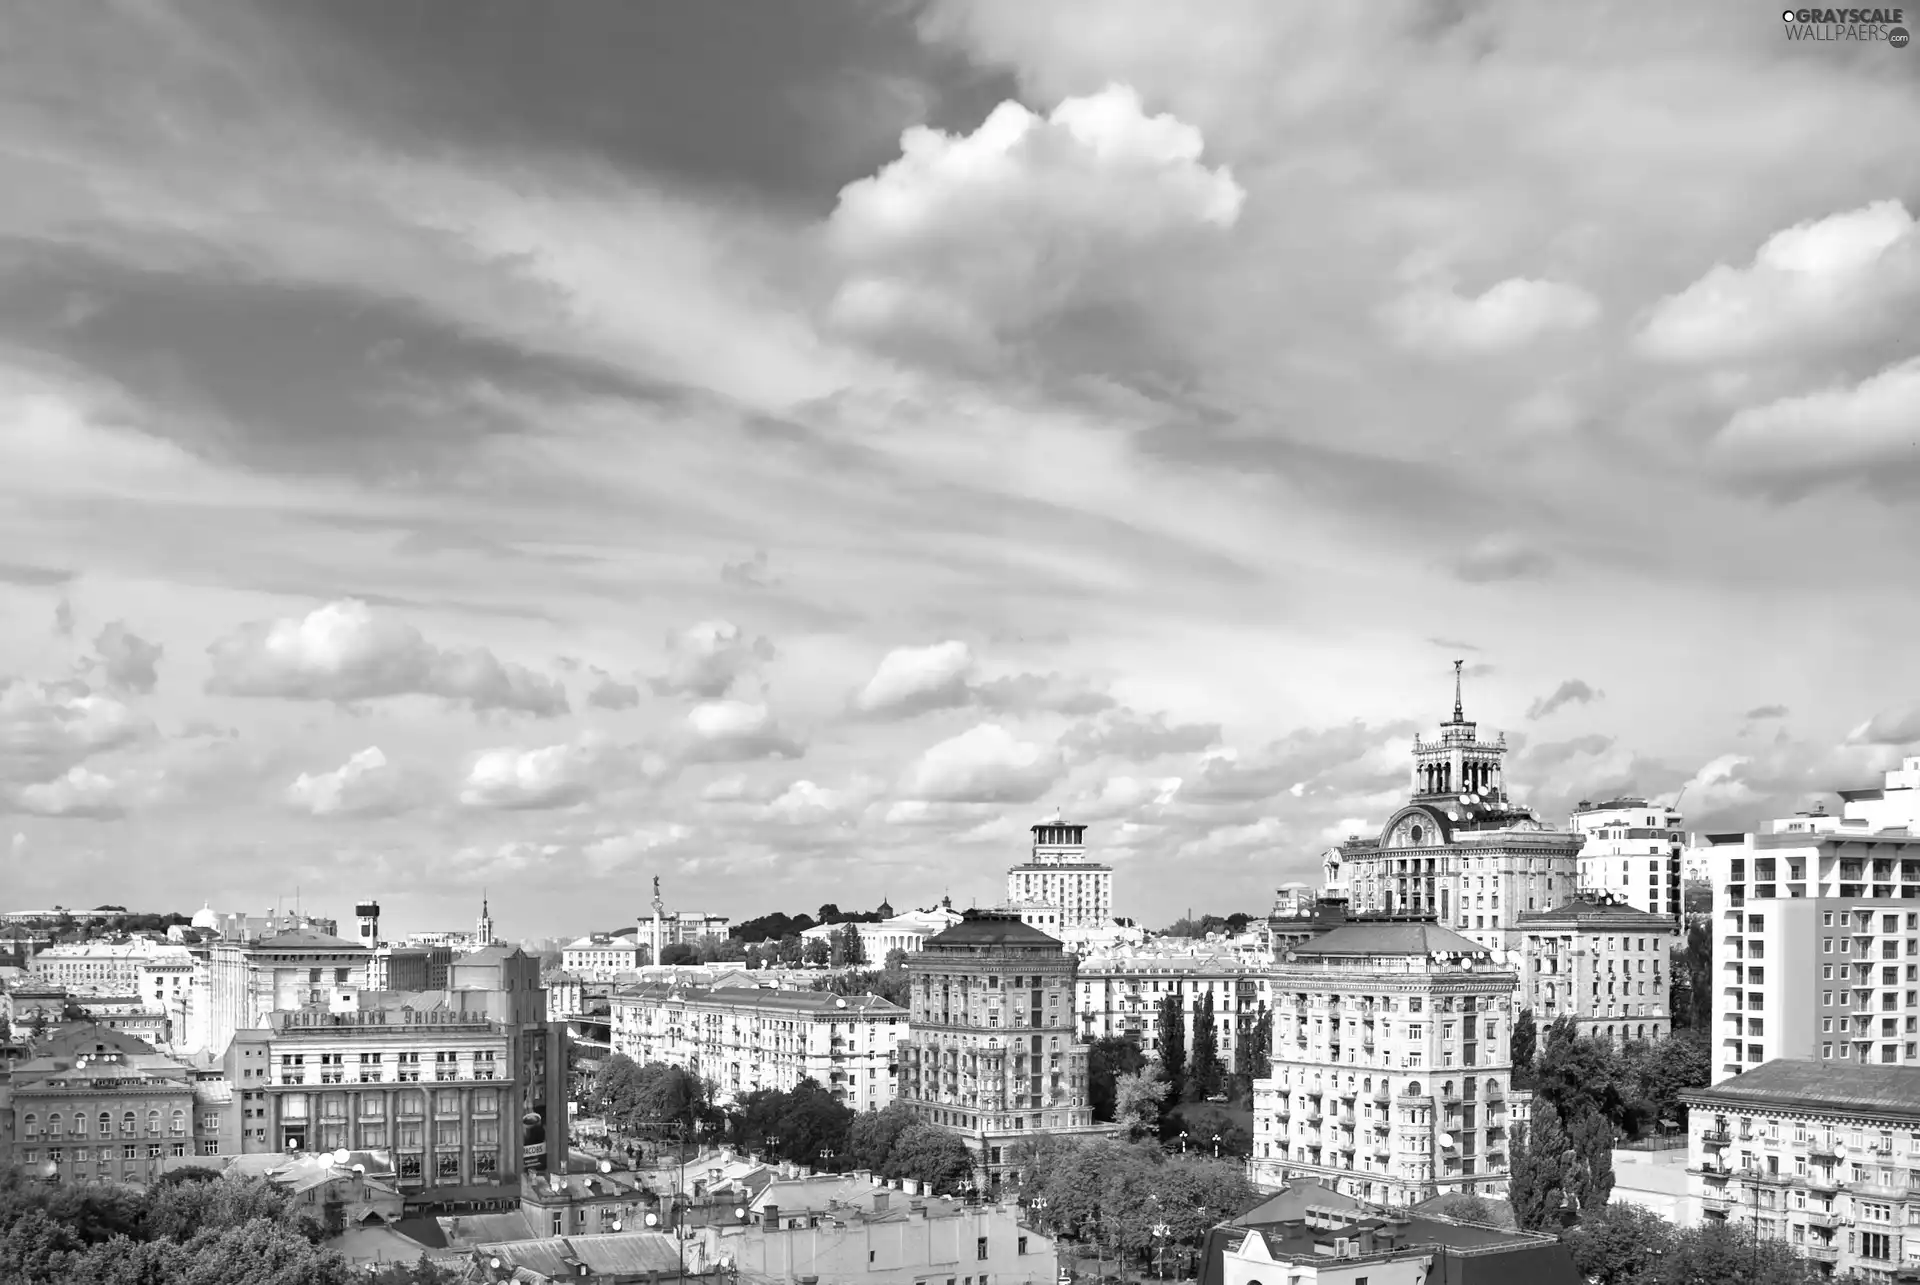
(295, 969)
(1391, 1065)
(1816, 934)
(1059, 875)
(1633, 852)
(991, 1055)
(1460, 850)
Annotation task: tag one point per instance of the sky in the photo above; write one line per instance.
(789, 450)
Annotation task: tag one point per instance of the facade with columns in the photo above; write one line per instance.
(434, 1087)
(1460, 849)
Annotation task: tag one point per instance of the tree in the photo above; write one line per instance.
(1254, 1049)
(1695, 960)
(1536, 1174)
(1470, 1208)
(1170, 1045)
(790, 951)
(1620, 1245)
(1589, 1173)
(871, 1136)
(817, 951)
(852, 949)
(896, 958)
(829, 914)
(1655, 1073)
(1205, 1079)
(1138, 1099)
(1574, 1072)
(1522, 1044)
(929, 1154)
(421, 1272)
(1109, 1058)
(679, 952)
(37, 1031)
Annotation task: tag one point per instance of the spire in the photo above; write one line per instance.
(1459, 714)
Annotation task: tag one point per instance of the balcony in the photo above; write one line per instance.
(1716, 1204)
(1821, 1253)
(1822, 1182)
(1824, 1218)
(1716, 1137)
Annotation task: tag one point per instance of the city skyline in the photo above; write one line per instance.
(546, 449)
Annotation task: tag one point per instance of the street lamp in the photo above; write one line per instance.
(1216, 1146)
(1183, 1142)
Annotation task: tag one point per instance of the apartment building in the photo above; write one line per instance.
(433, 1085)
(1119, 991)
(1461, 850)
(1634, 851)
(991, 1054)
(1816, 926)
(1821, 1155)
(1060, 877)
(248, 979)
(1391, 1067)
(1602, 962)
(96, 967)
(601, 957)
(95, 1104)
(743, 1038)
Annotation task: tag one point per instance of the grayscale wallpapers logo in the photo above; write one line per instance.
(1847, 24)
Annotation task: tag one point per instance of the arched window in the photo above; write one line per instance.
(153, 1121)
(30, 1124)
(106, 1123)
(55, 1124)
(1413, 1089)
(1493, 1086)
(127, 1125)
(80, 1123)
(1446, 1090)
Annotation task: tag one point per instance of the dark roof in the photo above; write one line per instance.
(305, 939)
(1484, 1255)
(990, 928)
(1588, 912)
(1293, 1201)
(1383, 938)
(1807, 1084)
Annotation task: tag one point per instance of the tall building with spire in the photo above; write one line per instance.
(483, 930)
(1460, 849)
(1059, 875)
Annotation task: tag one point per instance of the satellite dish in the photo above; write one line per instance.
(341, 1156)
(1839, 1148)
(1453, 814)
(653, 1220)
(606, 1166)
(1466, 798)
(1446, 1140)
(494, 1263)
(741, 1213)
(616, 1224)
(360, 1169)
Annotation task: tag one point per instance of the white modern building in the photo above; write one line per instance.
(908, 932)
(601, 958)
(1816, 934)
(1059, 876)
(1634, 852)
(1391, 1065)
(744, 1038)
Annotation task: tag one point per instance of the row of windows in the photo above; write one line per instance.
(58, 1123)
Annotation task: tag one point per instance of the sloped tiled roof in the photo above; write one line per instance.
(989, 928)
(1407, 938)
(306, 939)
(1812, 1085)
(1604, 915)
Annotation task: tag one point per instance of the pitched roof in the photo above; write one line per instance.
(1814, 1085)
(1587, 913)
(1415, 937)
(305, 939)
(989, 928)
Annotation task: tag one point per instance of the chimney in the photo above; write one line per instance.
(879, 1202)
(770, 1217)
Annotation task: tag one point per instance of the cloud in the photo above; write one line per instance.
(1129, 735)
(706, 660)
(615, 852)
(127, 660)
(750, 573)
(80, 793)
(1342, 759)
(1844, 431)
(1767, 711)
(977, 238)
(34, 576)
(985, 764)
(346, 651)
(1893, 727)
(1500, 557)
(1507, 316)
(1817, 282)
(917, 680)
(1572, 691)
(609, 692)
(914, 680)
(365, 785)
(735, 732)
(46, 729)
(1127, 796)
(63, 618)
(554, 776)
(1552, 754)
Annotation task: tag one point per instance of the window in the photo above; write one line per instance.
(980, 1249)
(1021, 1245)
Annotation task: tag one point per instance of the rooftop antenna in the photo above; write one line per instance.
(1459, 714)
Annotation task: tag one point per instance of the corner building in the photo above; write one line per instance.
(991, 1055)
(1460, 851)
(1391, 1065)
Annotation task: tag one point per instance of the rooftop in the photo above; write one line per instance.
(814, 1003)
(1811, 1085)
(301, 939)
(1386, 937)
(1591, 911)
(978, 928)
